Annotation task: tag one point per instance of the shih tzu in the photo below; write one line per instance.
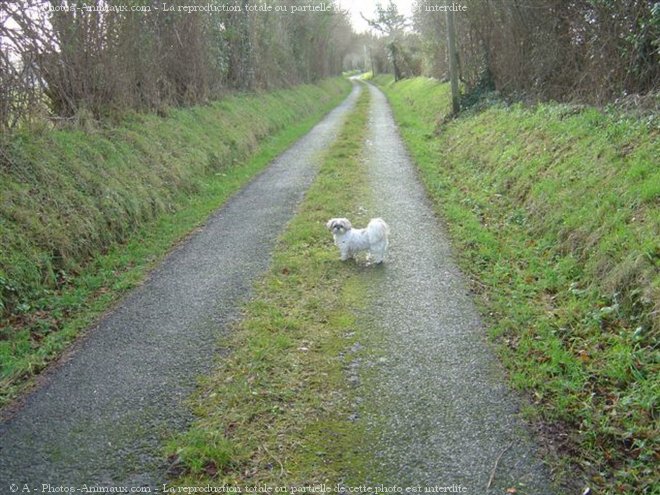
(350, 240)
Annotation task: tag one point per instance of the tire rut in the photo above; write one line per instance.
(101, 415)
(441, 412)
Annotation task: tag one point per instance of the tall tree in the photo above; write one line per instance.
(391, 24)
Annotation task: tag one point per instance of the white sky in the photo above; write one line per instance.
(368, 7)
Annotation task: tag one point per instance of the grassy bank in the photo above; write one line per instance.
(85, 213)
(554, 213)
(275, 410)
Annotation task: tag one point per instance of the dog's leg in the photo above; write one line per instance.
(378, 252)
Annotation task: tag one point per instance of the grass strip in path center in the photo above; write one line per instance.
(276, 410)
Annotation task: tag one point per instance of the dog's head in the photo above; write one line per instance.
(338, 226)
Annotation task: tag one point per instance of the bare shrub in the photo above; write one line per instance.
(587, 50)
(106, 58)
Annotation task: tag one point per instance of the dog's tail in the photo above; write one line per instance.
(377, 230)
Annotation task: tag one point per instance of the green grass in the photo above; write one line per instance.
(275, 411)
(554, 214)
(85, 215)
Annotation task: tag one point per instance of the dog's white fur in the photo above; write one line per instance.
(350, 241)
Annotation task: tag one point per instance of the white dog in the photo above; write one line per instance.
(350, 240)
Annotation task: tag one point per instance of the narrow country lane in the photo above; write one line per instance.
(442, 413)
(101, 415)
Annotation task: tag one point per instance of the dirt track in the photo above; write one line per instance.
(440, 411)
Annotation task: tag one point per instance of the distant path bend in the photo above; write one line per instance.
(441, 410)
(101, 416)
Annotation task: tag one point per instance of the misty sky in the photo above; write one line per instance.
(367, 7)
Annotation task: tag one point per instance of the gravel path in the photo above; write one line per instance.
(439, 402)
(101, 415)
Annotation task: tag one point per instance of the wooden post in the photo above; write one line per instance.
(453, 61)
